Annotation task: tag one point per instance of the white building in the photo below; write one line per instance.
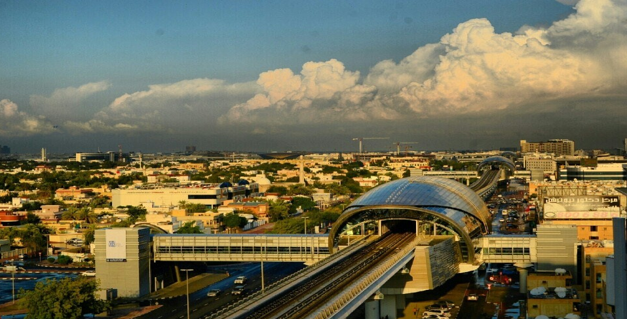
(211, 196)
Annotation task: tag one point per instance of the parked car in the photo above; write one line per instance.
(23, 256)
(445, 303)
(433, 317)
(213, 292)
(436, 308)
(89, 273)
(240, 280)
(438, 313)
(238, 290)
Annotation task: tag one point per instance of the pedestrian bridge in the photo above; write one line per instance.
(241, 247)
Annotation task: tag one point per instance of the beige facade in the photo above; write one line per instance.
(558, 147)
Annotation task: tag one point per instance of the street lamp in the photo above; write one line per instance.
(187, 285)
(305, 218)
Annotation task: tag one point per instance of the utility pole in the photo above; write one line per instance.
(187, 285)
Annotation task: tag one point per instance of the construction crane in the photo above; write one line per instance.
(361, 139)
(398, 146)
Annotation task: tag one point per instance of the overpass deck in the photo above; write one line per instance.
(240, 247)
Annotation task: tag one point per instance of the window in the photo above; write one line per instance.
(594, 237)
(587, 271)
(587, 284)
(593, 228)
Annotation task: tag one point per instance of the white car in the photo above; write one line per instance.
(213, 293)
(89, 273)
(240, 280)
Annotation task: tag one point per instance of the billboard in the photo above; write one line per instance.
(581, 207)
(116, 245)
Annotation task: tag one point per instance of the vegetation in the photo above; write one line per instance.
(234, 220)
(63, 299)
(189, 228)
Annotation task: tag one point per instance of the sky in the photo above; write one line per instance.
(263, 76)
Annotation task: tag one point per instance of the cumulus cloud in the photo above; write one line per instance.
(16, 123)
(68, 103)
(471, 69)
(179, 106)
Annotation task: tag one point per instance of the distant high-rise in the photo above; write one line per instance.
(625, 147)
(44, 155)
(5, 150)
(558, 147)
(190, 149)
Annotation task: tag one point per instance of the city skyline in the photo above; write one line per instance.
(280, 76)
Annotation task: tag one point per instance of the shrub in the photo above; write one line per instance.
(64, 260)
(51, 260)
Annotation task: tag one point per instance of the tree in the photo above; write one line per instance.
(303, 202)
(281, 190)
(189, 228)
(65, 298)
(32, 218)
(299, 189)
(234, 220)
(33, 237)
(90, 234)
(278, 210)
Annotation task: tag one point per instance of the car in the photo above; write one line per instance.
(445, 303)
(434, 317)
(437, 308)
(89, 273)
(240, 280)
(213, 292)
(472, 297)
(238, 290)
(23, 256)
(440, 314)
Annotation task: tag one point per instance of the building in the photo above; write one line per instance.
(209, 195)
(594, 171)
(558, 147)
(123, 262)
(616, 287)
(108, 156)
(551, 294)
(74, 193)
(5, 150)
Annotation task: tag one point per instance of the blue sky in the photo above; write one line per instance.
(305, 75)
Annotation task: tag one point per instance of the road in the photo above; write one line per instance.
(201, 305)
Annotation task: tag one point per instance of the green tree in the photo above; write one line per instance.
(90, 234)
(279, 209)
(234, 220)
(32, 218)
(63, 299)
(281, 190)
(33, 236)
(189, 228)
(294, 225)
(305, 203)
(299, 189)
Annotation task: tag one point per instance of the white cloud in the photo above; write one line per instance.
(16, 123)
(68, 103)
(471, 69)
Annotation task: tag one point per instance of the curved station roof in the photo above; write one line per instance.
(497, 160)
(435, 200)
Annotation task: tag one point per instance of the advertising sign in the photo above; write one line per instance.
(116, 245)
(581, 207)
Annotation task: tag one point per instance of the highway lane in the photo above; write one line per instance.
(201, 305)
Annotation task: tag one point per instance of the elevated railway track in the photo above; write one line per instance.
(304, 299)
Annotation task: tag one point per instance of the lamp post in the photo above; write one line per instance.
(305, 218)
(187, 286)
